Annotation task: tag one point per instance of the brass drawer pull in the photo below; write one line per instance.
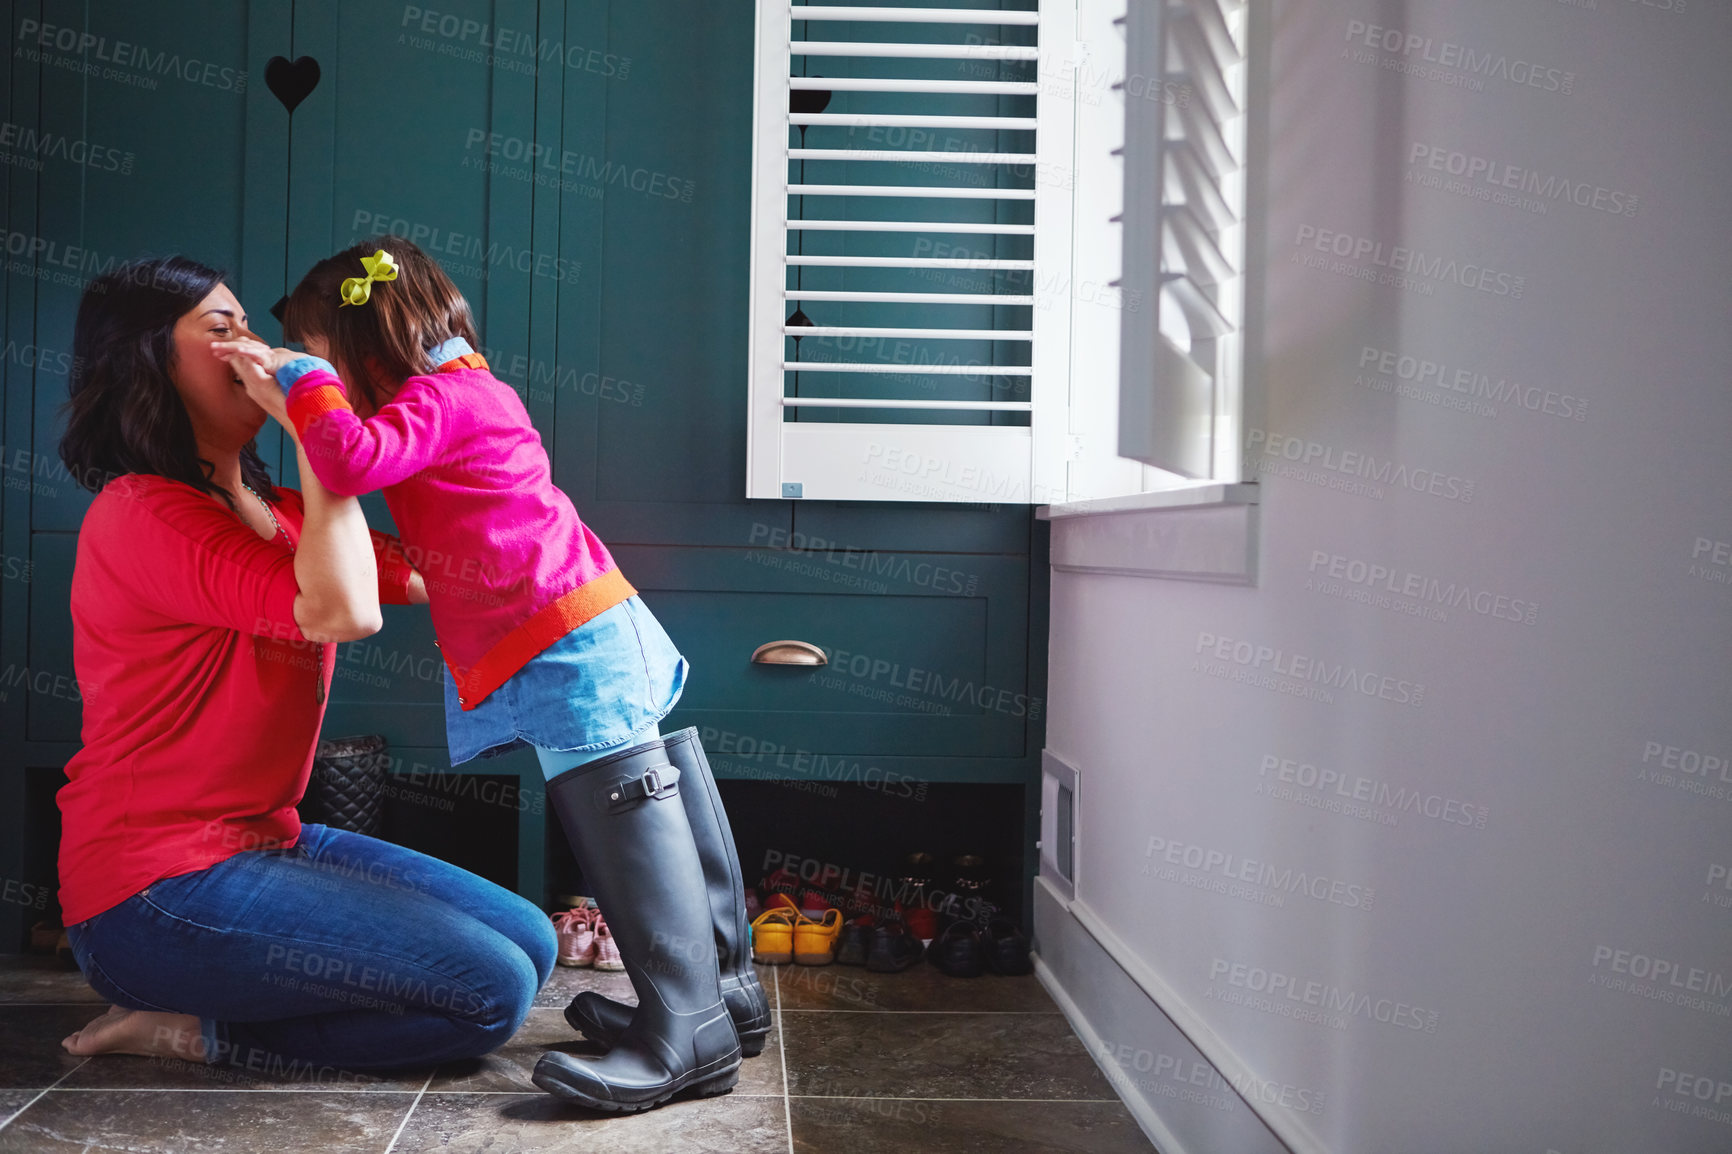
(789, 653)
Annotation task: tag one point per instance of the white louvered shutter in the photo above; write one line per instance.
(911, 215)
(1181, 362)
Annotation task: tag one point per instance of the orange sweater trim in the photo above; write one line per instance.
(315, 402)
(551, 622)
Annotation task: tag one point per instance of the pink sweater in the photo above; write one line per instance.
(510, 569)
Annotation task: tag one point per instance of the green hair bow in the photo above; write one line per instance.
(358, 290)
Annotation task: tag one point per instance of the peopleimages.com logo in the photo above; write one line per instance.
(1408, 262)
(1205, 866)
(1304, 668)
(1322, 1003)
(1427, 56)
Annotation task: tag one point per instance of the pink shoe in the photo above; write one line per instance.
(606, 952)
(576, 933)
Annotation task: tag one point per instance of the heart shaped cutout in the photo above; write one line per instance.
(291, 81)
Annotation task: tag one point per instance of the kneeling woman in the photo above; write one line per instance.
(205, 606)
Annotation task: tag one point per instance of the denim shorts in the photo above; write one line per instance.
(606, 680)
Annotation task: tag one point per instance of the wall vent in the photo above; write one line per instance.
(1059, 839)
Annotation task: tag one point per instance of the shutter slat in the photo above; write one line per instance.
(1191, 60)
(1197, 64)
(910, 156)
(1215, 25)
(1196, 189)
(887, 403)
(934, 87)
(1201, 315)
(977, 228)
(887, 51)
(918, 334)
(906, 262)
(1203, 257)
(911, 190)
(912, 15)
(883, 120)
(795, 294)
(912, 370)
(1206, 136)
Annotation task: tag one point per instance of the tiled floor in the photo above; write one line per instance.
(857, 1063)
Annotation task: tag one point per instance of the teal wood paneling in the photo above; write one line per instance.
(18, 371)
(142, 191)
(929, 651)
(17, 294)
(263, 273)
(52, 704)
(665, 177)
(900, 525)
(534, 370)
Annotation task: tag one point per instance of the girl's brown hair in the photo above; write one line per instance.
(384, 342)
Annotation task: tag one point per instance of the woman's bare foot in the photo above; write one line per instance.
(148, 1033)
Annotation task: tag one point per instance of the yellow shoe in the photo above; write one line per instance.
(815, 941)
(773, 937)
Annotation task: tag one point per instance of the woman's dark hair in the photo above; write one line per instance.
(384, 342)
(123, 413)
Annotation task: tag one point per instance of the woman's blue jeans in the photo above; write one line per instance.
(343, 953)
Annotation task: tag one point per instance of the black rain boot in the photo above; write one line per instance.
(601, 1019)
(628, 829)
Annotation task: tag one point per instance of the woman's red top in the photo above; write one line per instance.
(202, 699)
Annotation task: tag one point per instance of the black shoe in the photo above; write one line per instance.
(628, 828)
(602, 1019)
(894, 949)
(970, 875)
(957, 951)
(917, 879)
(1007, 948)
(856, 943)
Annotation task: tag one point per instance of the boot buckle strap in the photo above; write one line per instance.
(657, 782)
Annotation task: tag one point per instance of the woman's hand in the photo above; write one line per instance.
(256, 364)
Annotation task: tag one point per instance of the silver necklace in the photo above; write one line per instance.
(276, 529)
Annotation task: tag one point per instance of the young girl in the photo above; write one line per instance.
(545, 643)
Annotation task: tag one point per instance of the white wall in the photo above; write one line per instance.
(1563, 733)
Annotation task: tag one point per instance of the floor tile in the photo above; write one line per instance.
(925, 1055)
(31, 1057)
(567, 982)
(896, 1126)
(890, 1062)
(763, 1074)
(30, 1053)
(24, 978)
(540, 1124)
(268, 1072)
(211, 1122)
(921, 987)
(509, 1067)
(12, 1101)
